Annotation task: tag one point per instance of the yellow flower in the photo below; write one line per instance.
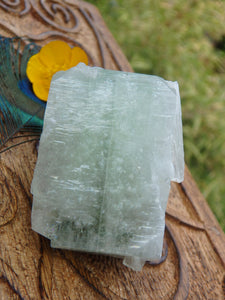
(53, 57)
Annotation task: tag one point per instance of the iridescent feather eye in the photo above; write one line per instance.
(18, 105)
(26, 71)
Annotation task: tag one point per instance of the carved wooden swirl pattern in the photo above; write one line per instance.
(193, 264)
(63, 21)
(16, 6)
(59, 16)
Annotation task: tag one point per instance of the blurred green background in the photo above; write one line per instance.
(184, 41)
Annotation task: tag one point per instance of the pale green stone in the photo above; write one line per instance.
(111, 144)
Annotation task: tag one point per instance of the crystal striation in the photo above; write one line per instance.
(111, 144)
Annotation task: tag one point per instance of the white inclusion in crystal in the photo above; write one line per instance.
(111, 144)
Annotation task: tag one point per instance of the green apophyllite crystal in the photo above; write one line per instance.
(111, 144)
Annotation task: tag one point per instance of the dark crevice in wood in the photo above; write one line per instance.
(26, 194)
(24, 136)
(11, 283)
(176, 218)
(18, 144)
(108, 46)
(81, 276)
(183, 284)
(117, 296)
(210, 226)
(190, 199)
(41, 287)
(215, 248)
(4, 279)
(93, 28)
(113, 56)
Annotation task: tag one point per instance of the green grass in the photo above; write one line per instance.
(184, 41)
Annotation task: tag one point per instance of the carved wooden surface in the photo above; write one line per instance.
(194, 262)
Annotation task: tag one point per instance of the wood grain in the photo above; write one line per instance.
(194, 267)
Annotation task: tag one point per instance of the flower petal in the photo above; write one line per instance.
(35, 69)
(78, 55)
(53, 57)
(55, 53)
(41, 89)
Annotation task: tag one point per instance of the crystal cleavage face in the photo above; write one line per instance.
(111, 144)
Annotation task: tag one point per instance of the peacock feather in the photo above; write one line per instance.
(19, 107)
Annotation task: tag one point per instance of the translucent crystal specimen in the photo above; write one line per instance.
(111, 144)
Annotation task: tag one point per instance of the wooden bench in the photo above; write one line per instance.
(194, 250)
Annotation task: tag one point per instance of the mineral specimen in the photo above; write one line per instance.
(111, 144)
